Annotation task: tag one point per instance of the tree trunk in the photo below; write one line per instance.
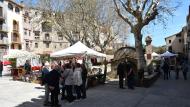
(141, 63)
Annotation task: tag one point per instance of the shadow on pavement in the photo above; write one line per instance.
(39, 88)
(35, 102)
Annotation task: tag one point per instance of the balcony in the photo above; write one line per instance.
(15, 28)
(15, 40)
(2, 18)
(4, 41)
(3, 28)
(47, 39)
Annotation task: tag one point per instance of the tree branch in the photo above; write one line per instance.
(151, 17)
(120, 15)
(128, 9)
(149, 8)
(144, 5)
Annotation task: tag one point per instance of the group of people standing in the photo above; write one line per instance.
(181, 66)
(70, 76)
(125, 71)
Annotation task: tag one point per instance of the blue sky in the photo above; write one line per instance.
(174, 25)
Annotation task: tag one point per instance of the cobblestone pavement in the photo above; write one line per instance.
(164, 93)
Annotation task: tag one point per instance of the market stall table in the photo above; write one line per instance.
(17, 73)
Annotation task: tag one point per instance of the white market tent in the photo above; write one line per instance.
(21, 57)
(155, 54)
(15, 53)
(76, 50)
(168, 54)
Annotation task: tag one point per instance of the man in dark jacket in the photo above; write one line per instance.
(121, 70)
(27, 67)
(166, 69)
(84, 77)
(185, 69)
(53, 83)
(130, 76)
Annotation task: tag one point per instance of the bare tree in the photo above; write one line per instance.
(139, 13)
(88, 21)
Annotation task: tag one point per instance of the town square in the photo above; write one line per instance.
(94, 53)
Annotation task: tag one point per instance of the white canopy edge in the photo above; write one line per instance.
(78, 49)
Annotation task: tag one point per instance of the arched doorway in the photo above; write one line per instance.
(122, 54)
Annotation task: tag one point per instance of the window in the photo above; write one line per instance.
(44, 14)
(1, 11)
(15, 37)
(1, 37)
(55, 46)
(36, 33)
(60, 37)
(47, 45)
(25, 20)
(179, 40)
(37, 38)
(29, 32)
(36, 13)
(60, 44)
(15, 25)
(46, 27)
(25, 31)
(27, 45)
(170, 41)
(10, 6)
(1, 26)
(170, 49)
(30, 43)
(12, 46)
(36, 45)
(17, 10)
(19, 46)
(47, 36)
(26, 13)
